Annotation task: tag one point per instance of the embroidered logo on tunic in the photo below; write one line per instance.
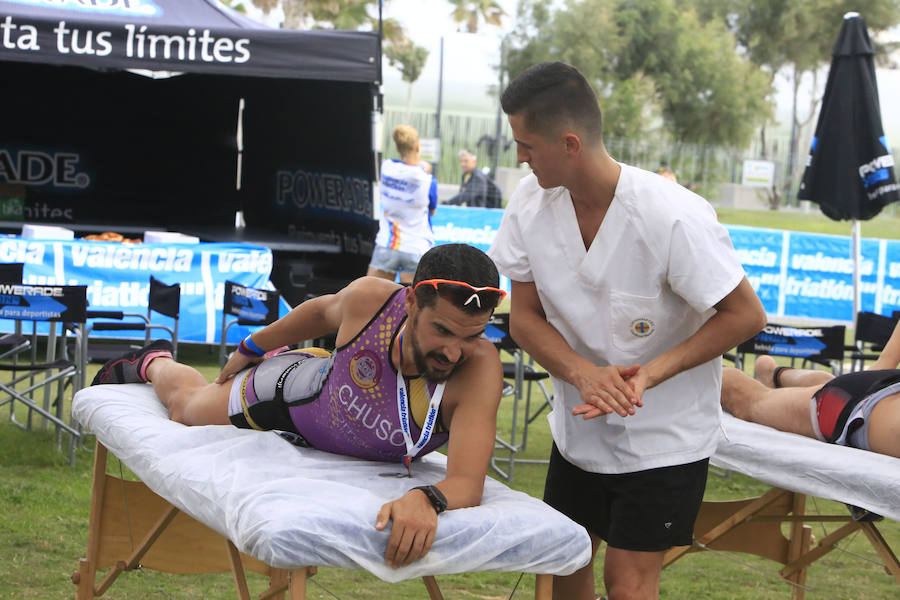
(642, 327)
(365, 370)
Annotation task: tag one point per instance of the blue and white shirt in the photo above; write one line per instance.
(408, 195)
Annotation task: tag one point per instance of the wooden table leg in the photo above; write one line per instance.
(434, 592)
(298, 582)
(543, 587)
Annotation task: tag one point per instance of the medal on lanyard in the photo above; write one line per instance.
(404, 409)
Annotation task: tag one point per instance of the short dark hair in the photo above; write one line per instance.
(458, 262)
(549, 96)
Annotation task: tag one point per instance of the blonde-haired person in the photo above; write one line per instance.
(408, 200)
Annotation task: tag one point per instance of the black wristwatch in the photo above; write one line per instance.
(435, 496)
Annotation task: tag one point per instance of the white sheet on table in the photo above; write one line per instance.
(805, 465)
(292, 507)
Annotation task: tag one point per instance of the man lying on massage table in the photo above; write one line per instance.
(401, 352)
(860, 409)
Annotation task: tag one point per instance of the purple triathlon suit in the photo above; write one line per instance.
(345, 403)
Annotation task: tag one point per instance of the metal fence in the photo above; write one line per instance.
(699, 167)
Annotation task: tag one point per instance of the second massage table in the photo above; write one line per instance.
(215, 498)
(796, 467)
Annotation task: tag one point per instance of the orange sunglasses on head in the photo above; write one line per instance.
(462, 293)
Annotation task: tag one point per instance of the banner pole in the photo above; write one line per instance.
(855, 241)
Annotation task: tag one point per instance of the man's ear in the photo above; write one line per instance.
(572, 143)
(411, 304)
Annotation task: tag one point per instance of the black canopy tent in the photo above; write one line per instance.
(276, 124)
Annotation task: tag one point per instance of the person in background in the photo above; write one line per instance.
(476, 189)
(408, 201)
(666, 172)
(626, 288)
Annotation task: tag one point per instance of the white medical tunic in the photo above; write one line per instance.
(657, 266)
(408, 194)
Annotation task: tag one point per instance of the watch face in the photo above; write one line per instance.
(437, 499)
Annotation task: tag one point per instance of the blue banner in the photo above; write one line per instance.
(795, 274)
(117, 277)
(810, 276)
(463, 225)
(764, 255)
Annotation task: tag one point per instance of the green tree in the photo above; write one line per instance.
(654, 63)
(472, 12)
(400, 51)
(409, 59)
(305, 14)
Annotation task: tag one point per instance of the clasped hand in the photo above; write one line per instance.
(605, 390)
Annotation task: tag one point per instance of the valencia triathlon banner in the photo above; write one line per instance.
(117, 277)
(800, 276)
(796, 275)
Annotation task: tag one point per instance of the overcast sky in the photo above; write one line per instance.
(470, 60)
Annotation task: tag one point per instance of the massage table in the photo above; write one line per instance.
(215, 498)
(796, 467)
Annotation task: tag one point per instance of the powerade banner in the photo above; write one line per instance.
(817, 343)
(796, 275)
(117, 277)
(251, 304)
(42, 302)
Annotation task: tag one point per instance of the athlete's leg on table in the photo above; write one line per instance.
(186, 393)
(786, 409)
(766, 366)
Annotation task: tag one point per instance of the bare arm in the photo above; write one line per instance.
(602, 387)
(472, 410)
(890, 356)
(314, 318)
(739, 316)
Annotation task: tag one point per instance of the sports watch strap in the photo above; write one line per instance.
(435, 496)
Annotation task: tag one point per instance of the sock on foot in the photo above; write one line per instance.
(132, 367)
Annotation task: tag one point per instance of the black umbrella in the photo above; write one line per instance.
(850, 169)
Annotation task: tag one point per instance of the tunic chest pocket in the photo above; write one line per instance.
(634, 321)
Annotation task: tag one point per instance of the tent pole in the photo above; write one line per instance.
(855, 242)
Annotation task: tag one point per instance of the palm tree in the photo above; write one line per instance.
(471, 12)
(409, 58)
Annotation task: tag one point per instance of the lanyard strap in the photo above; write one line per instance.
(403, 407)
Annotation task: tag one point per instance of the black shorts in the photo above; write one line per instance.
(834, 406)
(645, 511)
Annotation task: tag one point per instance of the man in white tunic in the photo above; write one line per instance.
(627, 290)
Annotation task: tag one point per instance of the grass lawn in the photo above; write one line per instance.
(884, 226)
(46, 505)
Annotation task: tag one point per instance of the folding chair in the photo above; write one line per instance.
(251, 306)
(872, 332)
(52, 304)
(523, 375)
(817, 345)
(162, 298)
(12, 344)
